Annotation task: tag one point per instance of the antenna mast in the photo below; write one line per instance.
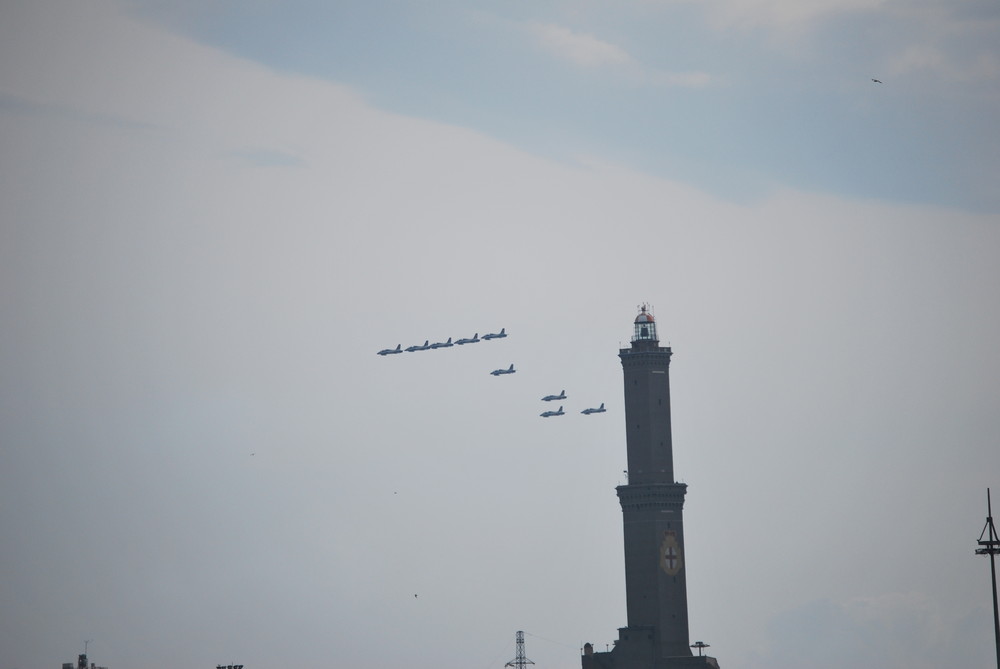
(991, 547)
(519, 661)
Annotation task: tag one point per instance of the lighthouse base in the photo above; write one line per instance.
(636, 649)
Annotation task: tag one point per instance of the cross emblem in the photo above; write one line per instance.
(671, 557)
(670, 554)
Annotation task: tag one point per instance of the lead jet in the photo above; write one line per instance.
(509, 370)
(442, 344)
(418, 347)
(599, 409)
(390, 351)
(466, 340)
(547, 414)
(560, 396)
(496, 335)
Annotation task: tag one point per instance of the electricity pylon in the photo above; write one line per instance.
(519, 661)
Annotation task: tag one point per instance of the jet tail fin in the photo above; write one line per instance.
(602, 405)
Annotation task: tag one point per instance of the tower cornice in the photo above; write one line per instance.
(633, 358)
(652, 496)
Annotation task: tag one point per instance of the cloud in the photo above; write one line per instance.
(785, 14)
(900, 629)
(779, 15)
(578, 48)
(953, 42)
(917, 58)
(267, 157)
(169, 307)
(588, 51)
(945, 63)
(682, 79)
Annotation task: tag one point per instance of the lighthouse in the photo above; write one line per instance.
(656, 636)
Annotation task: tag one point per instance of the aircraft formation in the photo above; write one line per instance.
(427, 345)
(475, 339)
(560, 412)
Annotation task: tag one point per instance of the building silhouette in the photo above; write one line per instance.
(81, 663)
(656, 636)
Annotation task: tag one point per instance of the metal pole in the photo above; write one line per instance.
(991, 546)
(996, 611)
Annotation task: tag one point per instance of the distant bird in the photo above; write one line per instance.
(876, 81)
(414, 596)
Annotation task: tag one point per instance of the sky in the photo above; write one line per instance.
(214, 214)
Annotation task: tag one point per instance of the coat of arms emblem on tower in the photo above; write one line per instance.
(670, 553)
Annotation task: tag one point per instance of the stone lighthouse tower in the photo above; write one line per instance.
(652, 513)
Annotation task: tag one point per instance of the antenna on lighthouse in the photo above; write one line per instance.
(519, 661)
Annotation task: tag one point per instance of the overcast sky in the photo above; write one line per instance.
(213, 215)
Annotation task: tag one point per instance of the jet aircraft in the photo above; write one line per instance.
(547, 414)
(560, 396)
(418, 347)
(466, 340)
(496, 335)
(442, 344)
(509, 370)
(390, 351)
(599, 409)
